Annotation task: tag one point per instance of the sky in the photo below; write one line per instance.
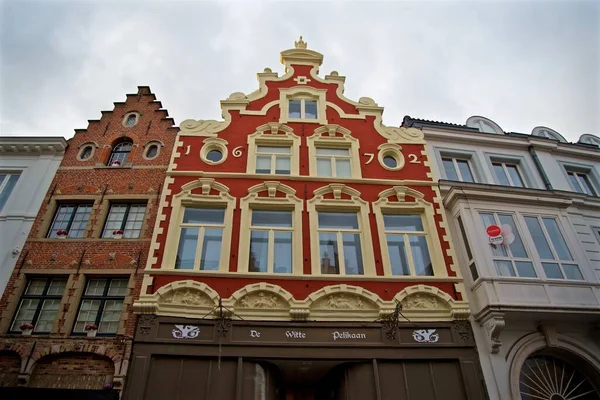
(520, 63)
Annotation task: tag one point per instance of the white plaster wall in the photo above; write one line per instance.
(553, 164)
(19, 212)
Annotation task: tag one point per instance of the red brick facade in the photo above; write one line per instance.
(62, 357)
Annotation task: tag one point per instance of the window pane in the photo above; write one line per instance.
(118, 287)
(513, 171)
(420, 255)
(557, 239)
(500, 174)
(204, 215)
(342, 168)
(47, 316)
(272, 218)
(574, 182)
(57, 287)
(274, 149)
(82, 215)
(263, 165)
(95, 287)
(88, 311)
(283, 253)
(449, 169)
(134, 221)
(473, 269)
(324, 167)
(115, 219)
(572, 271)
(464, 238)
(352, 254)
(465, 171)
(338, 220)
(282, 165)
(552, 271)
(25, 314)
(211, 249)
(504, 268)
(328, 253)
(324, 151)
(61, 219)
(541, 244)
(109, 322)
(294, 108)
(259, 244)
(525, 269)
(397, 252)
(36, 287)
(488, 219)
(585, 182)
(516, 248)
(186, 253)
(8, 188)
(403, 223)
(310, 109)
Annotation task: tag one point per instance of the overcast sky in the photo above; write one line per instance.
(522, 64)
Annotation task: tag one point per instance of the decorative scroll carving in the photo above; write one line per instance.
(342, 301)
(422, 301)
(237, 96)
(399, 134)
(493, 327)
(203, 127)
(462, 329)
(367, 101)
(260, 300)
(146, 322)
(186, 296)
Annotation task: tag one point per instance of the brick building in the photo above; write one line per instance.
(301, 252)
(66, 315)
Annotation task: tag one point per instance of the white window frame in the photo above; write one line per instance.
(333, 161)
(302, 93)
(577, 171)
(456, 169)
(4, 183)
(277, 135)
(520, 161)
(334, 137)
(273, 159)
(505, 169)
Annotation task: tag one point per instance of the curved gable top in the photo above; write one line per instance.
(589, 139)
(548, 133)
(485, 125)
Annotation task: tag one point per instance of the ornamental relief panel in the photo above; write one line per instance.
(423, 301)
(186, 296)
(342, 301)
(261, 300)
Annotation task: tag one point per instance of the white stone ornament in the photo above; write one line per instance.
(185, 331)
(426, 336)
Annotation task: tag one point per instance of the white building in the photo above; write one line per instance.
(27, 167)
(535, 298)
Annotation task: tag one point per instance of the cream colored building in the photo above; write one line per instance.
(534, 298)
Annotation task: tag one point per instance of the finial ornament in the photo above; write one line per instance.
(300, 44)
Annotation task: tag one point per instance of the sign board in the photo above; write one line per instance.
(493, 230)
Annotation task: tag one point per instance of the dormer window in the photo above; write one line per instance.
(302, 108)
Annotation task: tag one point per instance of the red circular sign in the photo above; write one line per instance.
(494, 230)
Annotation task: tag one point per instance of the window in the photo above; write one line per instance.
(39, 304)
(101, 305)
(457, 169)
(214, 151)
(508, 174)
(552, 248)
(407, 245)
(86, 152)
(152, 150)
(273, 160)
(125, 217)
(72, 218)
(120, 153)
(580, 182)
(339, 243)
(471, 260)
(271, 242)
(333, 162)
(130, 119)
(7, 184)
(301, 108)
(510, 258)
(200, 239)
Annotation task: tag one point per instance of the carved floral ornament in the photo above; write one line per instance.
(300, 55)
(268, 301)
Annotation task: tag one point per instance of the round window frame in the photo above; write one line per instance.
(81, 150)
(147, 148)
(126, 117)
(394, 153)
(208, 147)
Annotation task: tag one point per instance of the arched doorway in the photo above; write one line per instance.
(10, 366)
(558, 375)
(73, 371)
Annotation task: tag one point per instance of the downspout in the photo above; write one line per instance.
(539, 167)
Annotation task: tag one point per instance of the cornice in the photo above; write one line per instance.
(32, 144)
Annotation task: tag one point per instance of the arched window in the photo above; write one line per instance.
(120, 153)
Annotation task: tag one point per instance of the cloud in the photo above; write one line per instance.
(522, 64)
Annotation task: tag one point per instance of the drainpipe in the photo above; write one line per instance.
(539, 167)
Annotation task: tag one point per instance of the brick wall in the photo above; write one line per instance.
(72, 370)
(139, 179)
(10, 366)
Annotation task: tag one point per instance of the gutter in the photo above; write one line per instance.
(539, 167)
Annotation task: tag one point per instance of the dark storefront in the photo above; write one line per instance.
(183, 359)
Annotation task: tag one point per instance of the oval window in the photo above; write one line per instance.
(390, 161)
(214, 155)
(152, 151)
(131, 120)
(86, 153)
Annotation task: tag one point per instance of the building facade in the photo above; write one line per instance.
(66, 315)
(27, 166)
(301, 251)
(524, 213)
